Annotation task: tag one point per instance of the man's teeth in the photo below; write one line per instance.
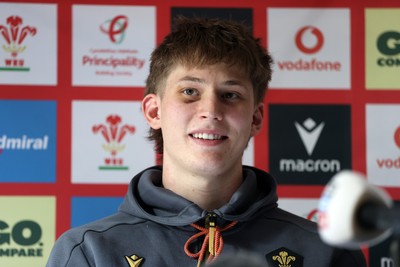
(207, 136)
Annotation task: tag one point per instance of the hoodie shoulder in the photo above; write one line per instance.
(294, 220)
(69, 245)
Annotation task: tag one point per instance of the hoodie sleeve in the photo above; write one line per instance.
(348, 258)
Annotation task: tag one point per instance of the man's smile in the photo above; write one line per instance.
(208, 136)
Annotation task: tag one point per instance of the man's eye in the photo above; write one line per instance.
(230, 96)
(189, 91)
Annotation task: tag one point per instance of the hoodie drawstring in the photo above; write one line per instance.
(212, 238)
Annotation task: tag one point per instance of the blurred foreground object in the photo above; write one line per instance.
(353, 213)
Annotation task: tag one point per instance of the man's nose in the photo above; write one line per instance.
(211, 108)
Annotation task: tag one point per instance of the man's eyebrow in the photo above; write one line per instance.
(234, 82)
(191, 79)
(199, 80)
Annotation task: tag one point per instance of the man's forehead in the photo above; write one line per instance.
(182, 72)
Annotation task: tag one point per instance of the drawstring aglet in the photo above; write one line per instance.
(211, 238)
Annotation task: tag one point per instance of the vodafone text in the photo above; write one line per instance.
(312, 64)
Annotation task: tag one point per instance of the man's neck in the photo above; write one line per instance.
(207, 191)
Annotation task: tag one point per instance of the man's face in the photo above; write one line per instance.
(207, 116)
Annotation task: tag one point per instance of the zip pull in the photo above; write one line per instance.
(211, 224)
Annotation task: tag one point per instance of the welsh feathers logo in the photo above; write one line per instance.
(14, 33)
(113, 132)
(284, 259)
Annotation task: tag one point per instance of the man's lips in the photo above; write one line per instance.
(208, 136)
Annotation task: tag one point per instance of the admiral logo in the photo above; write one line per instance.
(113, 133)
(308, 144)
(23, 143)
(390, 163)
(309, 40)
(21, 239)
(28, 141)
(388, 44)
(14, 34)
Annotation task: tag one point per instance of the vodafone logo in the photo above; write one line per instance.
(115, 28)
(303, 43)
(309, 40)
(391, 163)
(397, 137)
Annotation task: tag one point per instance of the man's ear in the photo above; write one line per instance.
(151, 110)
(258, 116)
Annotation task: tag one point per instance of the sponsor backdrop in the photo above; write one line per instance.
(72, 135)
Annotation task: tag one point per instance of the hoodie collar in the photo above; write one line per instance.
(147, 199)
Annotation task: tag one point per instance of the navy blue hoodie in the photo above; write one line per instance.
(154, 227)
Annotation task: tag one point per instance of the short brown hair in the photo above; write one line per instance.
(201, 42)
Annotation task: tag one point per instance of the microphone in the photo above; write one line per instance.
(352, 212)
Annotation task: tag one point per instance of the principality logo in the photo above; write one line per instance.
(284, 257)
(134, 260)
(309, 49)
(115, 28)
(14, 34)
(113, 133)
(309, 133)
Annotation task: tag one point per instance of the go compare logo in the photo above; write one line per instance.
(23, 239)
(388, 44)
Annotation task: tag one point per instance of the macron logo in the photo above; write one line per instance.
(309, 133)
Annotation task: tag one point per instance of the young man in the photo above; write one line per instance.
(204, 101)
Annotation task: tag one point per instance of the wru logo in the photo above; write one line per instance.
(14, 35)
(113, 134)
(284, 259)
